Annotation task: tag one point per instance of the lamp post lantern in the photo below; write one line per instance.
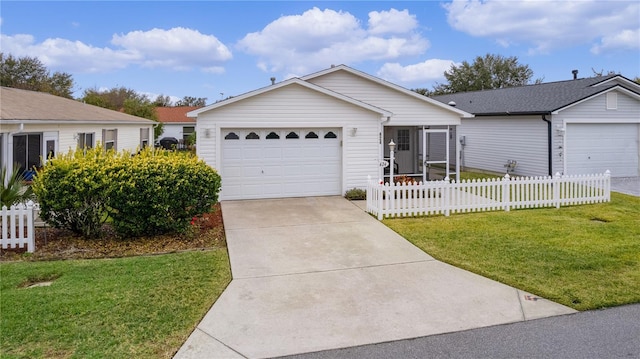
(392, 148)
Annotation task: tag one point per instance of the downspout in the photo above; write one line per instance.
(549, 144)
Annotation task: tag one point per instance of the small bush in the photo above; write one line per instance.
(355, 194)
(159, 192)
(71, 191)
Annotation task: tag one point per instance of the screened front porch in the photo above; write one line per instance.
(424, 153)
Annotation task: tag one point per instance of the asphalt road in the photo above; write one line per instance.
(607, 333)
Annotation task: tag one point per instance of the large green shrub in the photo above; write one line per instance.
(71, 190)
(160, 192)
(150, 192)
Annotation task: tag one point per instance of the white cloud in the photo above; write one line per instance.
(391, 22)
(177, 48)
(626, 39)
(66, 55)
(316, 39)
(427, 71)
(544, 25)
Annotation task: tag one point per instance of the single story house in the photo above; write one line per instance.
(579, 126)
(175, 121)
(321, 134)
(36, 125)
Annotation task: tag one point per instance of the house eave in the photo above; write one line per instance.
(508, 113)
(76, 122)
(319, 89)
(462, 113)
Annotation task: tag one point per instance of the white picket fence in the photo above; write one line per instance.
(446, 197)
(18, 226)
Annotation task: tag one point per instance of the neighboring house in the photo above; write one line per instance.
(176, 123)
(321, 134)
(578, 126)
(36, 125)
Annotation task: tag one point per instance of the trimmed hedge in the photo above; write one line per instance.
(147, 193)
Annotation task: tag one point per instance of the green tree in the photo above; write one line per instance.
(28, 73)
(485, 73)
(162, 101)
(192, 101)
(127, 101)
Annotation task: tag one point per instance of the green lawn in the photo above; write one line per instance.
(135, 307)
(585, 257)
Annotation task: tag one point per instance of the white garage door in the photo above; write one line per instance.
(274, 163)
(595, 148)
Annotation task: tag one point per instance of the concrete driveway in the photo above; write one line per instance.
(312, 274)
(627, 185)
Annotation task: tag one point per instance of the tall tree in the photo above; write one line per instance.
(192, 101)
(162, 101)
(486, 72)
(127, 101)
(28, 73)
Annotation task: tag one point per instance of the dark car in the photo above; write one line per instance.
(169, 143)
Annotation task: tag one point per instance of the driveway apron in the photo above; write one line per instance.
(319, 273)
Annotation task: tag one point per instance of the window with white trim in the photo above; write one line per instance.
(144, 137)
(110, 139)
(86, 140)
(404, 140)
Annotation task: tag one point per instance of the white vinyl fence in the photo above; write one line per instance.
(446, 197)
(18, 226)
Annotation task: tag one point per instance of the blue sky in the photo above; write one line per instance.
(217, 49)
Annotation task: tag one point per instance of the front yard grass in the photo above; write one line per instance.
(585, 257)
(132, 307)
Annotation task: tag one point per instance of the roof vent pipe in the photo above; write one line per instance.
(273, 80)
(575, 74)
(452, 103)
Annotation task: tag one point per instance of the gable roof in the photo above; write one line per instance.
(290, 82)
(388, 84)
(537, 99)
(175, 114)
(18, 106)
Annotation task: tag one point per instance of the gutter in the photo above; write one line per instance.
(549, 144)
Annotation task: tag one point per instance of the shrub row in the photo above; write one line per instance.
(147, 193)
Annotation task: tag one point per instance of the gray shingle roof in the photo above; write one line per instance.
(529, 99)
(23, 105)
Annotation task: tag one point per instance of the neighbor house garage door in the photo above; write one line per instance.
(274, 163)
(595, 148)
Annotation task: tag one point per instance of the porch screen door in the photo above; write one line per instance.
(433, 152)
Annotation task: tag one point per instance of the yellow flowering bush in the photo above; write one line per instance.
(146, 193)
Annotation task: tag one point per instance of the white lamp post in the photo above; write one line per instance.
(392, 148)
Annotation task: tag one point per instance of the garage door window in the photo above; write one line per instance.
(273, 136)
(231, 136)
(311, 135)
(330, 135)
(292, 135)
(252, 136)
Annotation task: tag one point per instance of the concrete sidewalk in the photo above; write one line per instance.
(313, 274)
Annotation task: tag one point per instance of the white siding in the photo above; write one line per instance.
(491, 142)
(296, 106)
(407, 110)
(175, 129)
(128, 135)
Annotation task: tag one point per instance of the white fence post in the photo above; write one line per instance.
(607, 185)
(506, 192)
(13, 227)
